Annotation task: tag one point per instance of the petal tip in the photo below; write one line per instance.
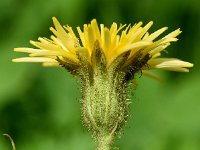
(15, 60)
(94, 20)
(31, 41)
(150, 22)
(15, 49)
(54, 18)
(51, 28)
(191, 65)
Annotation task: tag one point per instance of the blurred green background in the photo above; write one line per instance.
(39, 107)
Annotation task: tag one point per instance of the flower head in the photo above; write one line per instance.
(105, 60)
(132, 48)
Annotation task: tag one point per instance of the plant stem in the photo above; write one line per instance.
(104, 142)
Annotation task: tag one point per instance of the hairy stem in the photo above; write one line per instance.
(104, 142)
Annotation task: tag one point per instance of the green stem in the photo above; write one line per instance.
(104, 142)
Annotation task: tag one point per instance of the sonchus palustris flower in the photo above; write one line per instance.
(106, 60)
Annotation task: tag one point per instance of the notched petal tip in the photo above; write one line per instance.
(179, 30)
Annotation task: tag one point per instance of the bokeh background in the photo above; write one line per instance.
(39, 107)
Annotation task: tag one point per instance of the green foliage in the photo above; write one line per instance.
(39, 107)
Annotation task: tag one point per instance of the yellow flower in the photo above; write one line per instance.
(65, 48)
(105, 60)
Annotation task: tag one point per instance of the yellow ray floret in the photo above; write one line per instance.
(135, 40)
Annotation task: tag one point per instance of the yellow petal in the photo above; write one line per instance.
(174, 33)
(159, 49)
(145, 29)
(154, 35)
(169, 64)
(63, 37)
(34, 59)
(48, 53)
(27, 50)
(81, 35)
(107, 39)
(71, 32)
(177, 69)
(51, 64)
(95, 29)
(133, 46)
